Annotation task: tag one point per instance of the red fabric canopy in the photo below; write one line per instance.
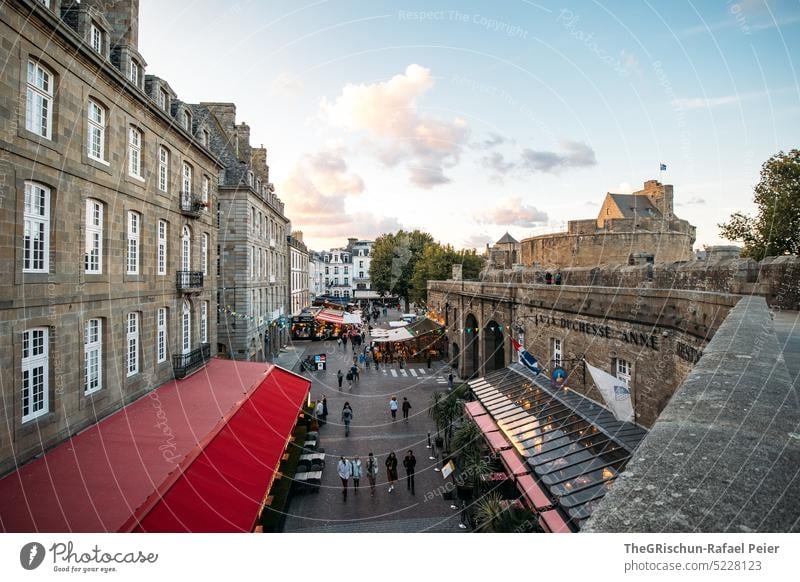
(497, 441)
(533, 493)
(552, 522)
(475, 408)
(331, 316)
(514, 463)
(486, 424)
(221, 487)
(95, 481)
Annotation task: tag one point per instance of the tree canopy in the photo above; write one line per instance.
(775, 230)
(404, 262)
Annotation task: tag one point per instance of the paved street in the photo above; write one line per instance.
(373, 430)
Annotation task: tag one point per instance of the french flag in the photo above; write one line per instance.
(525, 357)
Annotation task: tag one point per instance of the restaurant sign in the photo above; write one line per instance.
(600, 330)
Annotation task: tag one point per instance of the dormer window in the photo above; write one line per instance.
(96, 38)
(162, 99)
(205, 137)
(134, 73)
(187, 121)
(250, 179)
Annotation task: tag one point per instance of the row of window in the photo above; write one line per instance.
(39, 120)
(36, 237)
(262, 225)
(622, 369)
(261, 266)
(35, 354)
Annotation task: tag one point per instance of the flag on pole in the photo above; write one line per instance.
(525, 357)
(615, 392)
(663, 167)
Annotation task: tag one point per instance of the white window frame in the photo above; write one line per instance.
(623, 370)
(204, 253)
(186, 182)
(558, 351)
(186, 249)
(186, 327)
(35, 362)
(161, 335)
(96, 142)
(93, 356)
(204, 187)
(133, 73)
(96, 38)
(132, 343)
(135, 153)
(134, 229)
(187, 121)
(162, 236)
(39, 100)
(204, 322)
(163, 169)
(94, 236)
(36, 234)
(162, 99)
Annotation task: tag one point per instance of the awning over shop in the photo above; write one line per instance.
(339, 317)
(397, 334)
(401, 331)
(197, 454)
(564, 450)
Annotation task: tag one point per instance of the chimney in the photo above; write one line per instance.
(225, 114)
(243, 141)
(123, 16)
(259, 163)
(298, 234)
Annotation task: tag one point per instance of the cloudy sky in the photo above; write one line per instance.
(468, 119)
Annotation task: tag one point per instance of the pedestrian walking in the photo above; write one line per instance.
(339, 342)
(350, 380)
(355, 465)
(450, 381)
(558, 278)
(319, 412)
(393, 407)
(406, 407)
(429, 362)
(324, 410)
(344, 468)
(347, 418)
(339, 377)
(391, 470)
(372, 472)
(344, 341)
(410, 462)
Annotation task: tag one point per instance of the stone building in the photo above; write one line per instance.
(361, 252)
(503, 254)
(298, 273)
(346, 270)
(316, 268)
(252, 253)
(108, 188)
(630, 228)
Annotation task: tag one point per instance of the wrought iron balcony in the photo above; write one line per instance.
(189, 280)
(191, 205)
(185, 364)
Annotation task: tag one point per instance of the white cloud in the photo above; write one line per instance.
(573, 154)
(513, 212)
(287, 85)
(705, 102)
(395, 131)
(477, 241)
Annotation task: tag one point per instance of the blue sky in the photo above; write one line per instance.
(468, 119)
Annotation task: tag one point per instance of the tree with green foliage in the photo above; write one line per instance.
(393, 259)
(436, 264)
(775, 230)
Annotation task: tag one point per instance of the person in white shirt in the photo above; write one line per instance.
(345, 469)
(355, 466)
(393, 407)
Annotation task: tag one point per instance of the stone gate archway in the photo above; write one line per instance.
(471, 363)
(493, 347)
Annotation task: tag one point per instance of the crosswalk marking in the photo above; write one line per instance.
(384, 371)
(403, 373)
(422, 372)
(413, 372)
(394, 373)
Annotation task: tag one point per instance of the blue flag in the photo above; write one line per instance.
(663, 167)
(525, 357)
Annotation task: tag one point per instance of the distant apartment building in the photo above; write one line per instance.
(108, 224)
(316, 268)
(252, 253)
(346, 270)
(298, 273)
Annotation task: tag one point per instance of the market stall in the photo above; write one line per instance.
(414, 342)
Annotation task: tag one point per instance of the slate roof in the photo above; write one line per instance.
(634, 206)
(507, 239)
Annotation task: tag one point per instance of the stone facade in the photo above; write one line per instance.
(652, 336)
(54, 295)
(298, 273)
(253, 252)
(629, 226)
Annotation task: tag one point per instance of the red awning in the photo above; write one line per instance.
(330, 316)
(552, 522)
(486, 424)
(497, 441)
(95, 481)
(512, 461)
(533, 493)
(475, 408)
(221, 486)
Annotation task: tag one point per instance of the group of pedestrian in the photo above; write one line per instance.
(549, 279)
(352, 469)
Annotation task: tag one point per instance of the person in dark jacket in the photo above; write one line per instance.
(391, 470)
(324, 410)
(406, 407)
(339, 377)
(410, 462)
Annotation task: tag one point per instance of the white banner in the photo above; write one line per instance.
(615, 392)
